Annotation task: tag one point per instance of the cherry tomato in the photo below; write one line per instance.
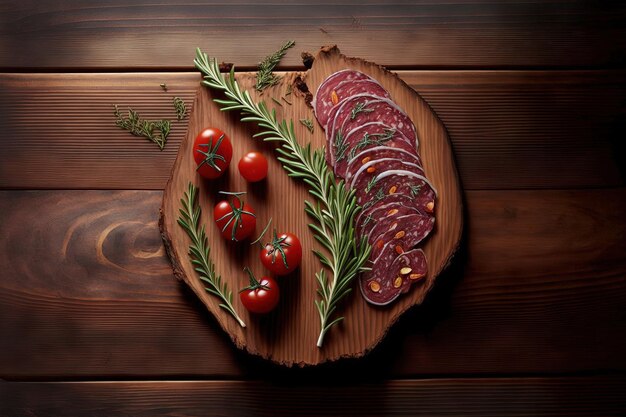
(283, 254)
(261, 296)
(212, 152)
(235, 218)
(253, 166)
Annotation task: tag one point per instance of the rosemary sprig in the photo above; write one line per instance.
(200, 252)
(333, 212)
(265, 77)
(155, 131)
(308, 123)
(180, 107)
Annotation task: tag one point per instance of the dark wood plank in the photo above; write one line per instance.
(465, 33)
(510, 129)
(85, 291)
(590, 396)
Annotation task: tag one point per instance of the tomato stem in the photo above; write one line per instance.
(211, 155)
(235, 213)
(255, 284)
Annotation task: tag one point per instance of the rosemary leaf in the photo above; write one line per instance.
(335, 207)
(265, 77)
(200, 252)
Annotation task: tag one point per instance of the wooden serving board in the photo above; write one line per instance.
(288, 335)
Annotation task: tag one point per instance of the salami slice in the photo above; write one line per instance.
(392, 275)
(412, 185)
(376, 152)
(404, 234)
(366, 136)
(362, 108)
(323, 100)
(350, 88)
(382, 214)
(366, 176)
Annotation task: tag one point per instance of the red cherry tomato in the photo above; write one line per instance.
(235, 219)
(253, 166)
(283, 254)
(261, 296)
(212, 152)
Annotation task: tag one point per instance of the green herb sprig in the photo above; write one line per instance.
(180, 107)
(335, 207)
(200, 252)
(265, 77)
(155, 131)
(308, 123)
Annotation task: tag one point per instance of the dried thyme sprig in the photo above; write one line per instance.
(199, 251)
(180, 107)
(265, 77)
(155, 131)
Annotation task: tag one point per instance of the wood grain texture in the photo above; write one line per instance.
(509, 129)
(597, 396)
(465, 33)
(289, 335)
(86, 292)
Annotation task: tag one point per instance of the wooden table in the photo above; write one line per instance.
(529, 320)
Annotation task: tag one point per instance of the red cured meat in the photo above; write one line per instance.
(322, 101)
(365, 177)
(379, 286)
(404, 233)
(346, 89)
(411, 185)
(376, 152)
(362, 108)
(367, 136)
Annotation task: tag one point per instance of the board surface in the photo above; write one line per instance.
(288, 335)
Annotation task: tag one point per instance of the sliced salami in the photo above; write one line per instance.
(362, 108)
(323, 100)
(392, 274)
(387, 227)
(382, 203)
(366, 176)
(404, 234)
(382, 214)
(411, 185)
(377, 152)
(366, 136)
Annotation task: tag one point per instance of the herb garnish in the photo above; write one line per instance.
(375, 139)
(333, 212)
(308, 124)
(181, 109)
(277, 102)
(155, 131)
(415, 189)
(200, 252)
(380, 194)
(370, 184)
(341, 146)
(265, 77)
(359, 108)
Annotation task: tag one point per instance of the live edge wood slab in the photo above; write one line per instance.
(288, 335)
